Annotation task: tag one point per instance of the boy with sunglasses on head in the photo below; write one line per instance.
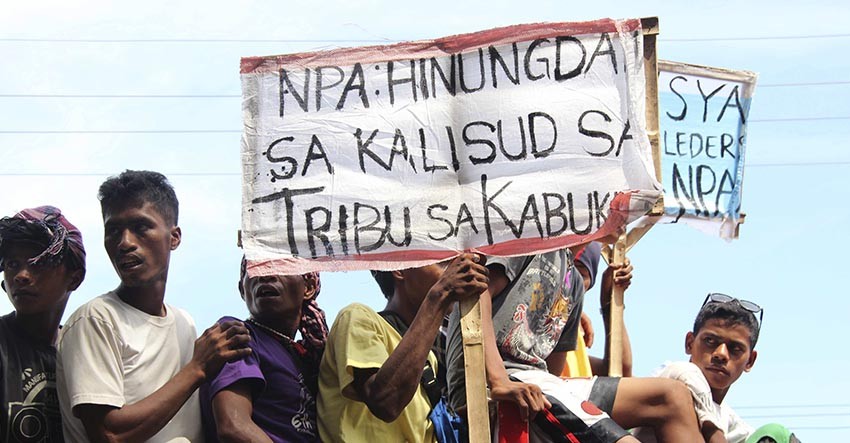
(721, 348)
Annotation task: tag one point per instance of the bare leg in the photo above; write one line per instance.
(663, 404)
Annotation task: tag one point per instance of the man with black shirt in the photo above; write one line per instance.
(43, 260)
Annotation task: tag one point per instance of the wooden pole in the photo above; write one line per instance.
(626, 241)
(615, 340)
(477, 412)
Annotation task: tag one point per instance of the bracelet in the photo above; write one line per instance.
(607, 309)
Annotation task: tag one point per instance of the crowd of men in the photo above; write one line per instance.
(127, 366)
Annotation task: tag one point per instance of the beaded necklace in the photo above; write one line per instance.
(286, 341)
(309, 373)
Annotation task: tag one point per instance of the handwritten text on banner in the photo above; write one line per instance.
(506, 141)
(703, 113)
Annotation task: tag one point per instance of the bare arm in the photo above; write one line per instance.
(611, 277)
(388, 390)
(712, 434)
(142, 420)
(232, 408)
(528, 397)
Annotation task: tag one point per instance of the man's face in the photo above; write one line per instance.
(36, 289)
(420, 280)
(274, 298)
(139, 241)
(721, 351)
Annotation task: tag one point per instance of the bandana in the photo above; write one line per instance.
(64, 239)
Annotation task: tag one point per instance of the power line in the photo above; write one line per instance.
(755, 38)
(786, 85)
(839, 405)
(157, 96)
(225, 174)
(190, 40)
(100, 174)
(828, 414)
(141, 131)
(120, 95)
(385, 41)
(236, 131)
(796, 119)
(826, 163)
(817, 428)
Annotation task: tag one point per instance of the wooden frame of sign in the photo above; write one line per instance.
(616, 255)
(746, 78)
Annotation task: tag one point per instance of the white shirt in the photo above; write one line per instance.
(721, 415)
(111, 353)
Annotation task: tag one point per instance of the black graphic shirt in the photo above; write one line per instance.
(27, 388)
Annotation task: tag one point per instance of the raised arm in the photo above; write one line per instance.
(387, 390)
(142, 420)
(619, 276)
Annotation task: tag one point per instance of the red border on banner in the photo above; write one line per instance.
(434, 48)
(617, 217)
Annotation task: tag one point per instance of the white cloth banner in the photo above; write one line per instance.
(508, 141)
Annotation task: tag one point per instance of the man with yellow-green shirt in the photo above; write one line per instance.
(369, 378)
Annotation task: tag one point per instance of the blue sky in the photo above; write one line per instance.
(788, 258)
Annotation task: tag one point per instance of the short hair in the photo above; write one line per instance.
(731, 313)
(386, 282)
(137, 188)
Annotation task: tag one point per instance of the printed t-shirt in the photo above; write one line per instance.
(27, 387)
(539, 314)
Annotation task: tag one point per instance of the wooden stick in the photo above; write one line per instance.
(477, 412)
(636, 234)
(650, 66)
(615, 340)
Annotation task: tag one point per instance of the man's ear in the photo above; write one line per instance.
(398, 274)
(76, 279)
(310, 286)
(241, 289)
(751, 361)
(399, 279)
(689, 342)
(176, 236)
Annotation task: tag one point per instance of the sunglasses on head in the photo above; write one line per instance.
(716, 297)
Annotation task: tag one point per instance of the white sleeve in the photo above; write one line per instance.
(90, 351)
(738, 430)
(689, 374)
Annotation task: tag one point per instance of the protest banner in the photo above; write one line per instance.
(508, 141)
(703, 112)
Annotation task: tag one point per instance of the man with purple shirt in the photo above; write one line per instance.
(270, 395)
